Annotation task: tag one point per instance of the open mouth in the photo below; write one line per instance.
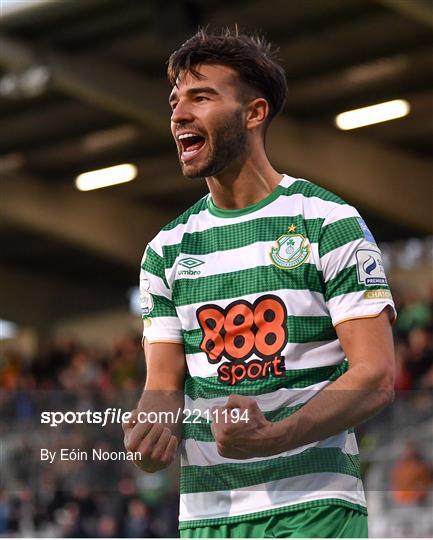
(191, 145)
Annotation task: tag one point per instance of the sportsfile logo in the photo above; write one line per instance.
(189, 263)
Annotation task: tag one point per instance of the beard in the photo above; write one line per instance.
(226, 143)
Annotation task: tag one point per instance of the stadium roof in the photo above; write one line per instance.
(82, 86)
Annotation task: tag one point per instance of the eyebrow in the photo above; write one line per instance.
(196, 90)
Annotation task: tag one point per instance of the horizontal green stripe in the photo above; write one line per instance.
(286, 510)
(211, 387)
(199, 429)
(299, 330)
(238, 235)
(183, 218)
(338, 234)
(249, 281)
(227, 476)
(154, 264)
(346, 282)
(162, 307)
(309, 189)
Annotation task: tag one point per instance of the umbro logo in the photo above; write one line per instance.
(190, 262)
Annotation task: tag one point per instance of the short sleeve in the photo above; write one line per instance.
(354, 278)
(160, 320)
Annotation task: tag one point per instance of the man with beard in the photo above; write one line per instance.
(267, 305)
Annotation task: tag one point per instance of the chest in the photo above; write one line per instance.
(235, 262)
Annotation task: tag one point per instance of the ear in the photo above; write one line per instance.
(257, 112)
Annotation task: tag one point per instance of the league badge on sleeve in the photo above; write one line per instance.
(146, 300)
(366, 231)
(369, 267)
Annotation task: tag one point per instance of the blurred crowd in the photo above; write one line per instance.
(414, 343)
(106, 499)
(411, 477)
(77, 498)
(66, 365)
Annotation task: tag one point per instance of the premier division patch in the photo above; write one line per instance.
(290, 251)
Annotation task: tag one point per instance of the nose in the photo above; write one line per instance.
(182, 113)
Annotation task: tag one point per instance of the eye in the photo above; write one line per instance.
(201, 98)
(173, 105)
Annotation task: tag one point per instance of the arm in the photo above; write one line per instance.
(360, 393)
(158, 442)
(357, 395)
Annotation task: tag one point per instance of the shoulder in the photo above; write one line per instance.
(316, 202)
(173, 232)
(308, 189)
(187, 215)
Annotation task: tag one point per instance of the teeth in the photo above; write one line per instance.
(186, 135)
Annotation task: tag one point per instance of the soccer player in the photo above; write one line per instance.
(267, 304)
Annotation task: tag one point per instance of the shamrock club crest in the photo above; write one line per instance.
(291, 250)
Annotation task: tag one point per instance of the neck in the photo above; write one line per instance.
(244, 182)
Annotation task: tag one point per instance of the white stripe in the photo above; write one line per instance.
(196, 223)
(340, 211)
(284, 397)
(221, 262)
(205, 454)
(157, 285)
(298, 303)
(276, 494)
(296, 356)
(354, 306)
(287, 180)
(163, 329)
(235, 260)
(315, 255)
(343, 257)
(300, 205)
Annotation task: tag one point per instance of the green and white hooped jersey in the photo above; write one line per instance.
(255, 295)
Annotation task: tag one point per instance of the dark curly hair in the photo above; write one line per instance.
(251, 57)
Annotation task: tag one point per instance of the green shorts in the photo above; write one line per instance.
(331, 521)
